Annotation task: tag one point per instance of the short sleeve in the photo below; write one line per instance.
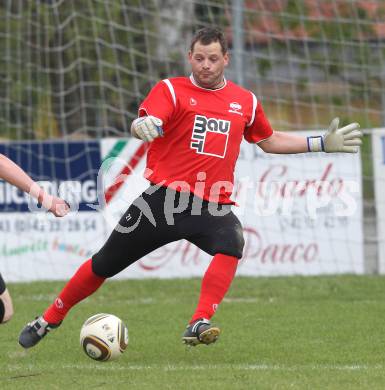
(160, 101)
(260, 128)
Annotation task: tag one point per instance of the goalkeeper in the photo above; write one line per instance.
(14, 175)
(194, 126)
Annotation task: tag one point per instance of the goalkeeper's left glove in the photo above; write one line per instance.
(347, 139)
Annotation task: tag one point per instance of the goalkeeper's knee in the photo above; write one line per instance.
(6, 307)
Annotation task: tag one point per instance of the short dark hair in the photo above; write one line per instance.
(209, 35)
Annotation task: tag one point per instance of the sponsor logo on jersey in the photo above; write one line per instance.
(210, 136)
(193, 102)
(235, 108)
(59, 303)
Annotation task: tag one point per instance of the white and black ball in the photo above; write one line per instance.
(104, 337)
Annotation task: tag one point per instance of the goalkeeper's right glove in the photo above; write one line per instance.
(147, 128)
(347, 139)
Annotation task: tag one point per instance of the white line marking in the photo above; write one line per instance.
(170, 367)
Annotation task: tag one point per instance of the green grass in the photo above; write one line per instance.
(278, 333)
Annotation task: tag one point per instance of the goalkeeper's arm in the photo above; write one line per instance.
(13, 174)
(346, 140)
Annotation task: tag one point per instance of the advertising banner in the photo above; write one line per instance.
(378, 147)
(34, 244)
(301, 214)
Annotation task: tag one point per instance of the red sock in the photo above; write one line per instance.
(80, 286)
(215, 283)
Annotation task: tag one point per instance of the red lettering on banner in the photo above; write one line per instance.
(275, 181)
(277, 253)
(311, 252)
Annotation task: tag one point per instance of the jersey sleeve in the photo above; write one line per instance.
(159, 102)
(260, 128)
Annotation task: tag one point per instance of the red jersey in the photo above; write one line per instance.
(203, 130)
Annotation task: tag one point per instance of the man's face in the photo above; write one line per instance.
(208, 64)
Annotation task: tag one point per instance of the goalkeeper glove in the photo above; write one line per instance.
(147, 128)
(347, 139)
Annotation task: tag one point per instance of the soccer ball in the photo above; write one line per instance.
(104, 337)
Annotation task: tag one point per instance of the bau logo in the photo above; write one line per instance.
(210, 136)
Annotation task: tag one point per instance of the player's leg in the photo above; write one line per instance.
(82, 284)
(6, 307)
(222, 238)
(135, 236)
(122, 248)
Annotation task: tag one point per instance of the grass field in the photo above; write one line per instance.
(278, 333)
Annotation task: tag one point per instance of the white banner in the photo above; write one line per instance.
(302, 214)
(39, 246)
(378, 147)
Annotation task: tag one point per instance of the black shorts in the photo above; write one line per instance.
(160, 216)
